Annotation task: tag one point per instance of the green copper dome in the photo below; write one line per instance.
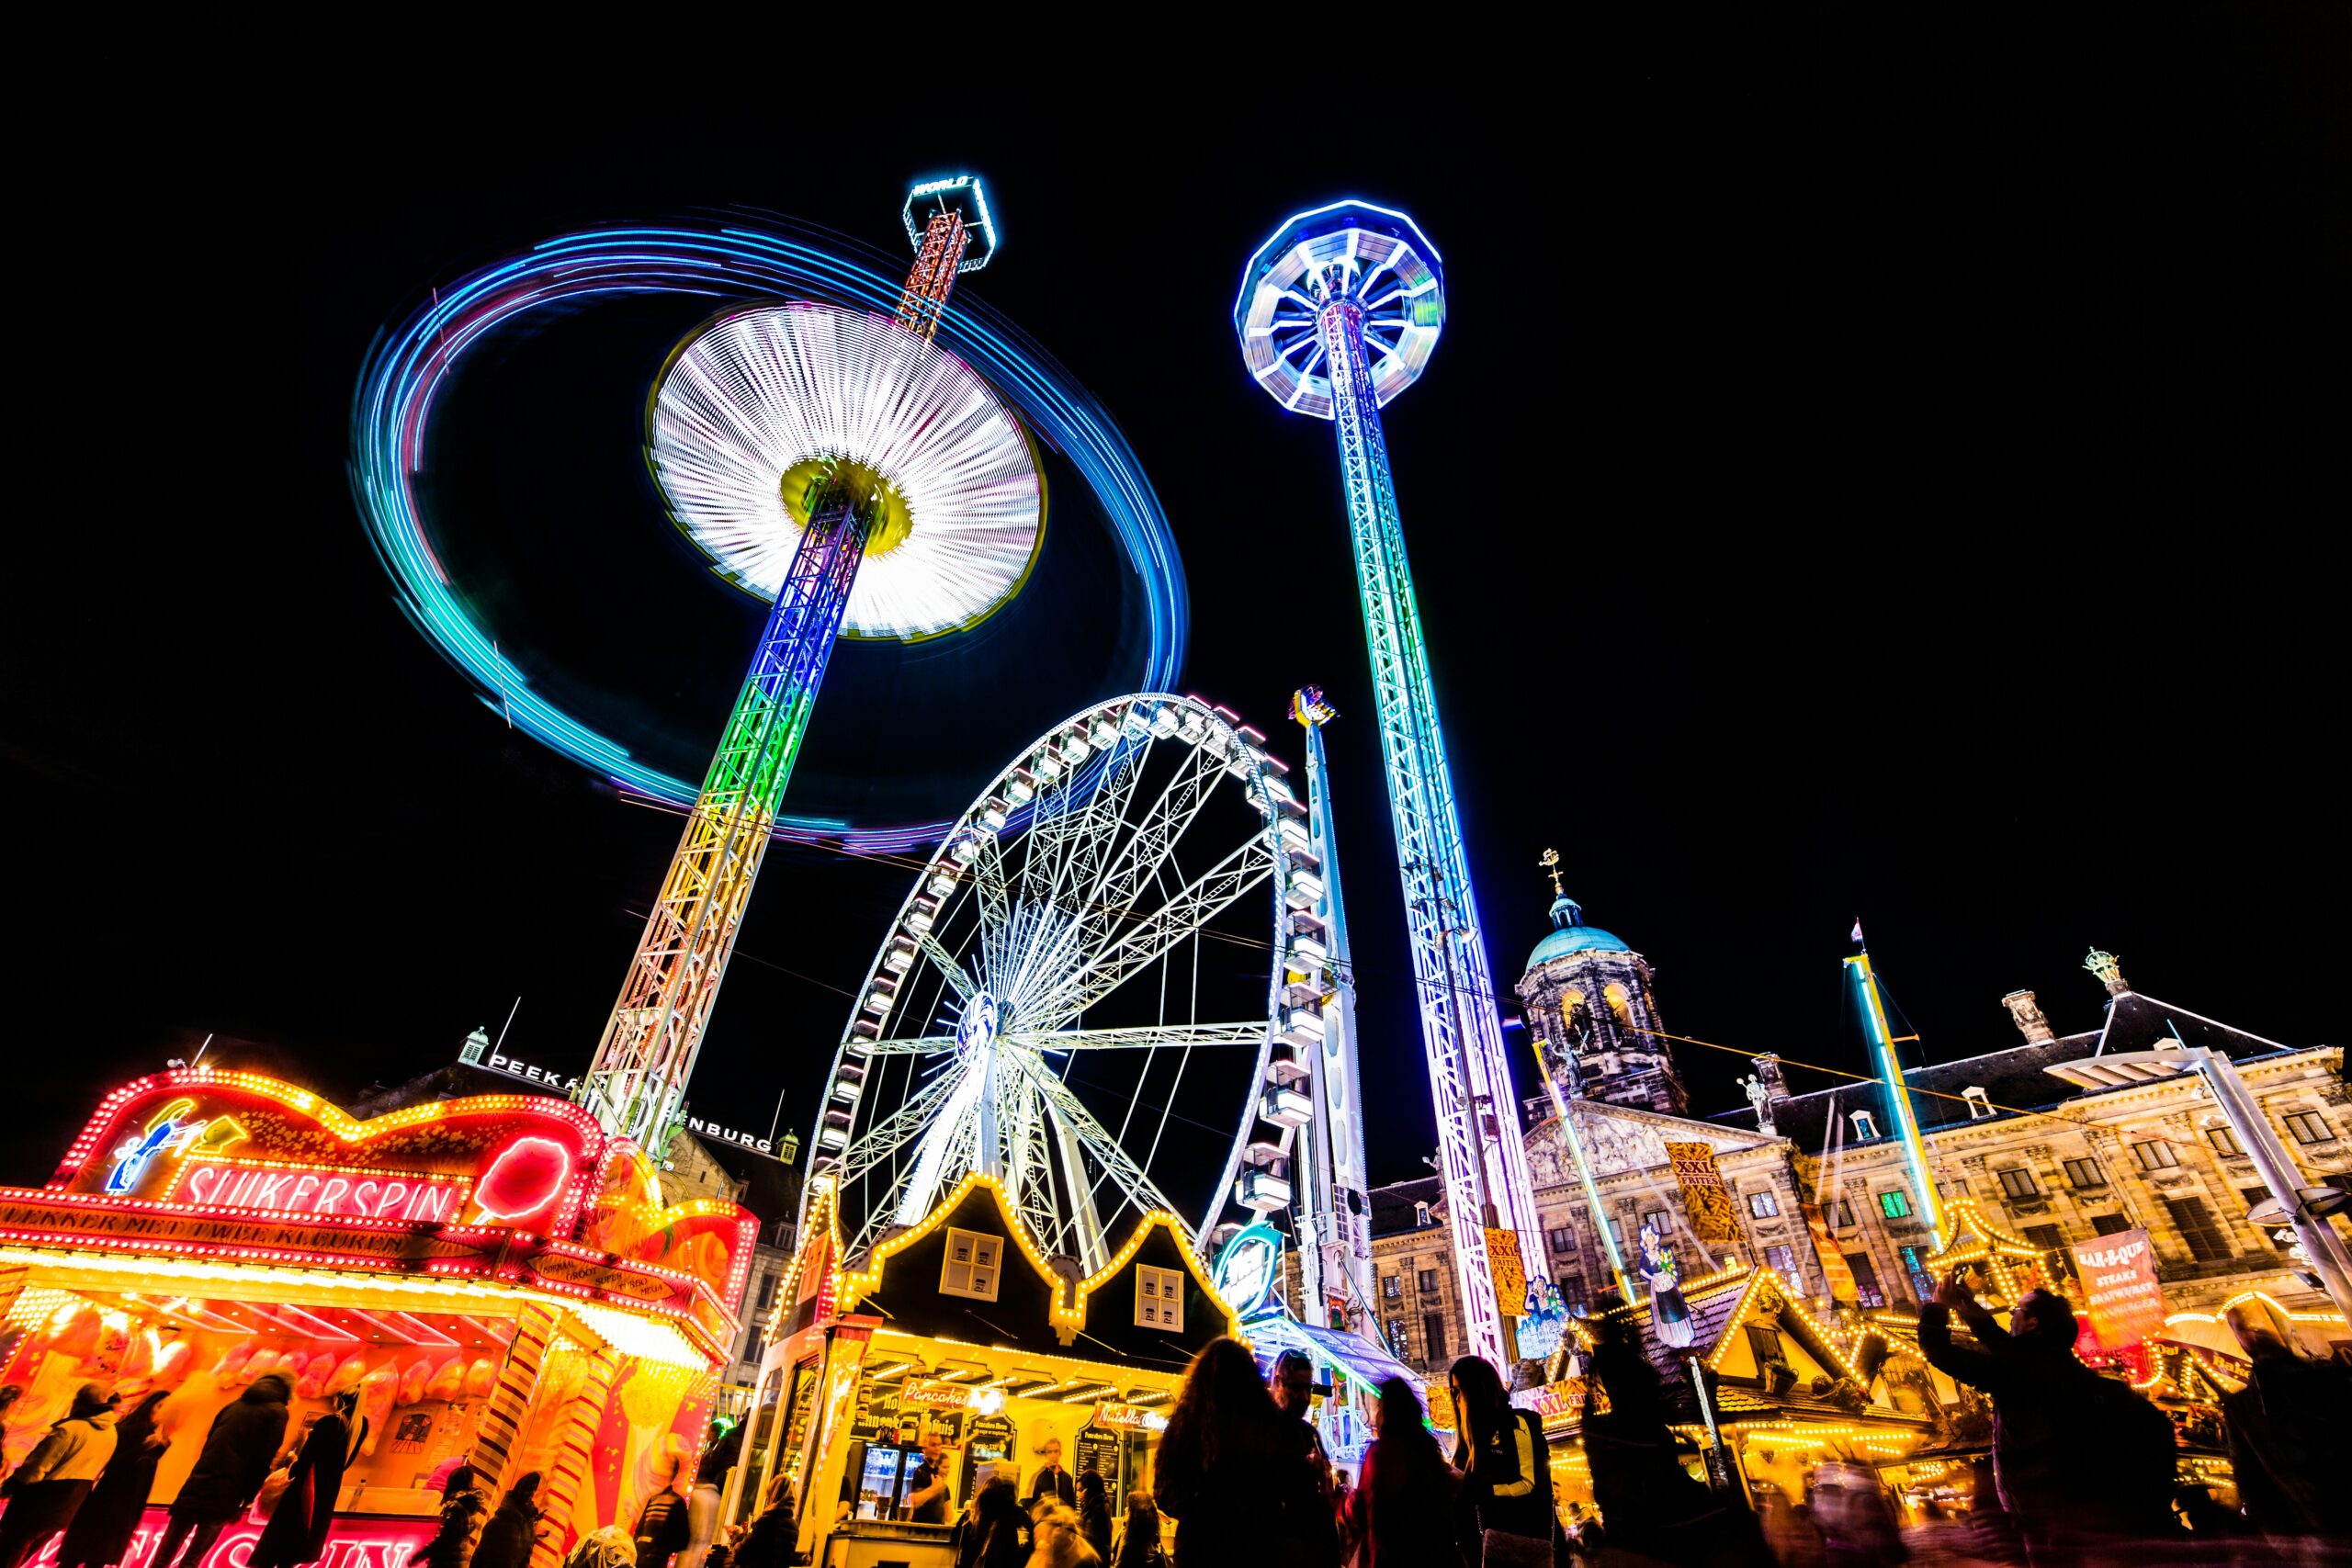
(1571, 935)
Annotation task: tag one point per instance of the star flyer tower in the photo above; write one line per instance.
(868, 483)
(1338, 313)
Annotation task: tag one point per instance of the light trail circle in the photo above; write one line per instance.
(409, 364)
(1067, 915)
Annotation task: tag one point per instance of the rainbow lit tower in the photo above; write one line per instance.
(1338, 313)
(866, 482)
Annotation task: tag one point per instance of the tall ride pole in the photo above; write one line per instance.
(1335, 1202)
(1338, 312)
(635, 1086)
(1898, 1093)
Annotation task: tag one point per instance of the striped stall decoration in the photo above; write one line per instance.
(12, 1285)
(561, 1489)
(502, 1419)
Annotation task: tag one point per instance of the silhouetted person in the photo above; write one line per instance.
(1401, 1513)
(1231, 1473)
(297, 1532)
(514, 1529)
(2084, 1465)
(49, 1488)
(102, 1531)
(238, 1447)
(2290, 1439)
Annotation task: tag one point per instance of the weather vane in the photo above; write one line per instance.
(2110, 969)
(1550, 862)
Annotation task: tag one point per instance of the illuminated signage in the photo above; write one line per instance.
(176, 1129)
(569, 1083)
(2123, 1302)
(1135, 1417)
(351, 1543)
(346, 1190)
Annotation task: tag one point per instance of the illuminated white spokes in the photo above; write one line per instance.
(1035, 1011)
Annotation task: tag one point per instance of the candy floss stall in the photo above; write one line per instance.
(498, 1279)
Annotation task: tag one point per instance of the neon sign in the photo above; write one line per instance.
(1137, 1417)
(348, 1190)
(173, 1129)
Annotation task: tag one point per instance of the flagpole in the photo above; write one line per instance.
(1584, 1175)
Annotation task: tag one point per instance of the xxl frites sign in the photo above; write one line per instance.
(2122, 1300)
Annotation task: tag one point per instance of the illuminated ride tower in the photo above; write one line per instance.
(1338, 312)
(868, 483)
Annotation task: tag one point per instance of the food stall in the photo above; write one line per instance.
(961, 1325)
(499, 1281)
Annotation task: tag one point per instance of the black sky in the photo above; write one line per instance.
(1885, 475)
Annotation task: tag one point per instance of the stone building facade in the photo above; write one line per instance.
(2057, 1164)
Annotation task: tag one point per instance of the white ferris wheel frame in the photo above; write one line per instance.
(997, 1104)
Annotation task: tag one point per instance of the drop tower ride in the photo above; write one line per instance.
(1338, 312)
(805, 441)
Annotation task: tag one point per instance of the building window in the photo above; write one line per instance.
(754, 1347)
(1434, 1331)
(1397, 1346)
(1615, 1234)
(1784, 1262)
(2049, 1238)
(1914, 1263)
(1842, 1214)
(971, 1268)
(1429, 1281)
(2085, 1174)
(2308, 1128)
(1955, 1187)
(1894, 1203)
(2109, 1224)
(1866, 1286)
(2018, 1183)
(767, 1289)
(2225, 1142)
(1561, 1240)
(1658, 1220)
(2154, 1156)
(1421, 1216)
(1159, 1297)
(1865, 1126)
(2208, 1242)
(1572, 1288)
(1763, 1343)
(1763, 1205)
(1391, 1287)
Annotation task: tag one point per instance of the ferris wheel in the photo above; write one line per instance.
(1079, 996)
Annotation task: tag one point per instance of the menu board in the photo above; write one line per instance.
(1098, 1451)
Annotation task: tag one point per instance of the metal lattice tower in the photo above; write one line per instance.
(1338, 312)
(1334, 1209)
(844, 503)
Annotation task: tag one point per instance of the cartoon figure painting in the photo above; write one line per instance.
(1670, 1314)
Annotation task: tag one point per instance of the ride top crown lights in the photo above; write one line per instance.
(801, 440)
(1338, 311)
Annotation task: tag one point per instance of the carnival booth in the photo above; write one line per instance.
(498, 1280)
(1766, 1388)
(961, 1326)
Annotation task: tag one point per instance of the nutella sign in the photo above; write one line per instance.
(321, 1189)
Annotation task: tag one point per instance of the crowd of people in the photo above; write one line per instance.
(2081, 1473)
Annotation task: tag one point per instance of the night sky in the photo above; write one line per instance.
(1877, 476)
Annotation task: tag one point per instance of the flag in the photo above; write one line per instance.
(1858, 928)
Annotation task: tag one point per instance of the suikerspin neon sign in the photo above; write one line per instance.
(285, 1189)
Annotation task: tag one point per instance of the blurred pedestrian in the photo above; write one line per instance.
(1649, 1504)
(1060, 1544)
(2084, 1465)
(1138, 1545)
(1051, 1480)
(297, 1532)
(464, 1508)
(1232, 1473)
(1506, 1470)
(999, 1535)
(1094, 1513)
(1402, 1514)
(102, 1531)
(49, 1488)
(507, 1540)
(1856, 1518)
(702, 1504)
(773, 1539)
(243, 1440)
(2290, 1437)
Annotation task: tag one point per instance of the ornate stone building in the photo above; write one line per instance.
(2054, 1162)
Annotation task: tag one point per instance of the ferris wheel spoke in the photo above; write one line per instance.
(945, 962)
(987, 883)
(929, 1046)
(1247, 1031)
(1140, 1190)
(886, 1137)
(1139, 861)
(1091, 979)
